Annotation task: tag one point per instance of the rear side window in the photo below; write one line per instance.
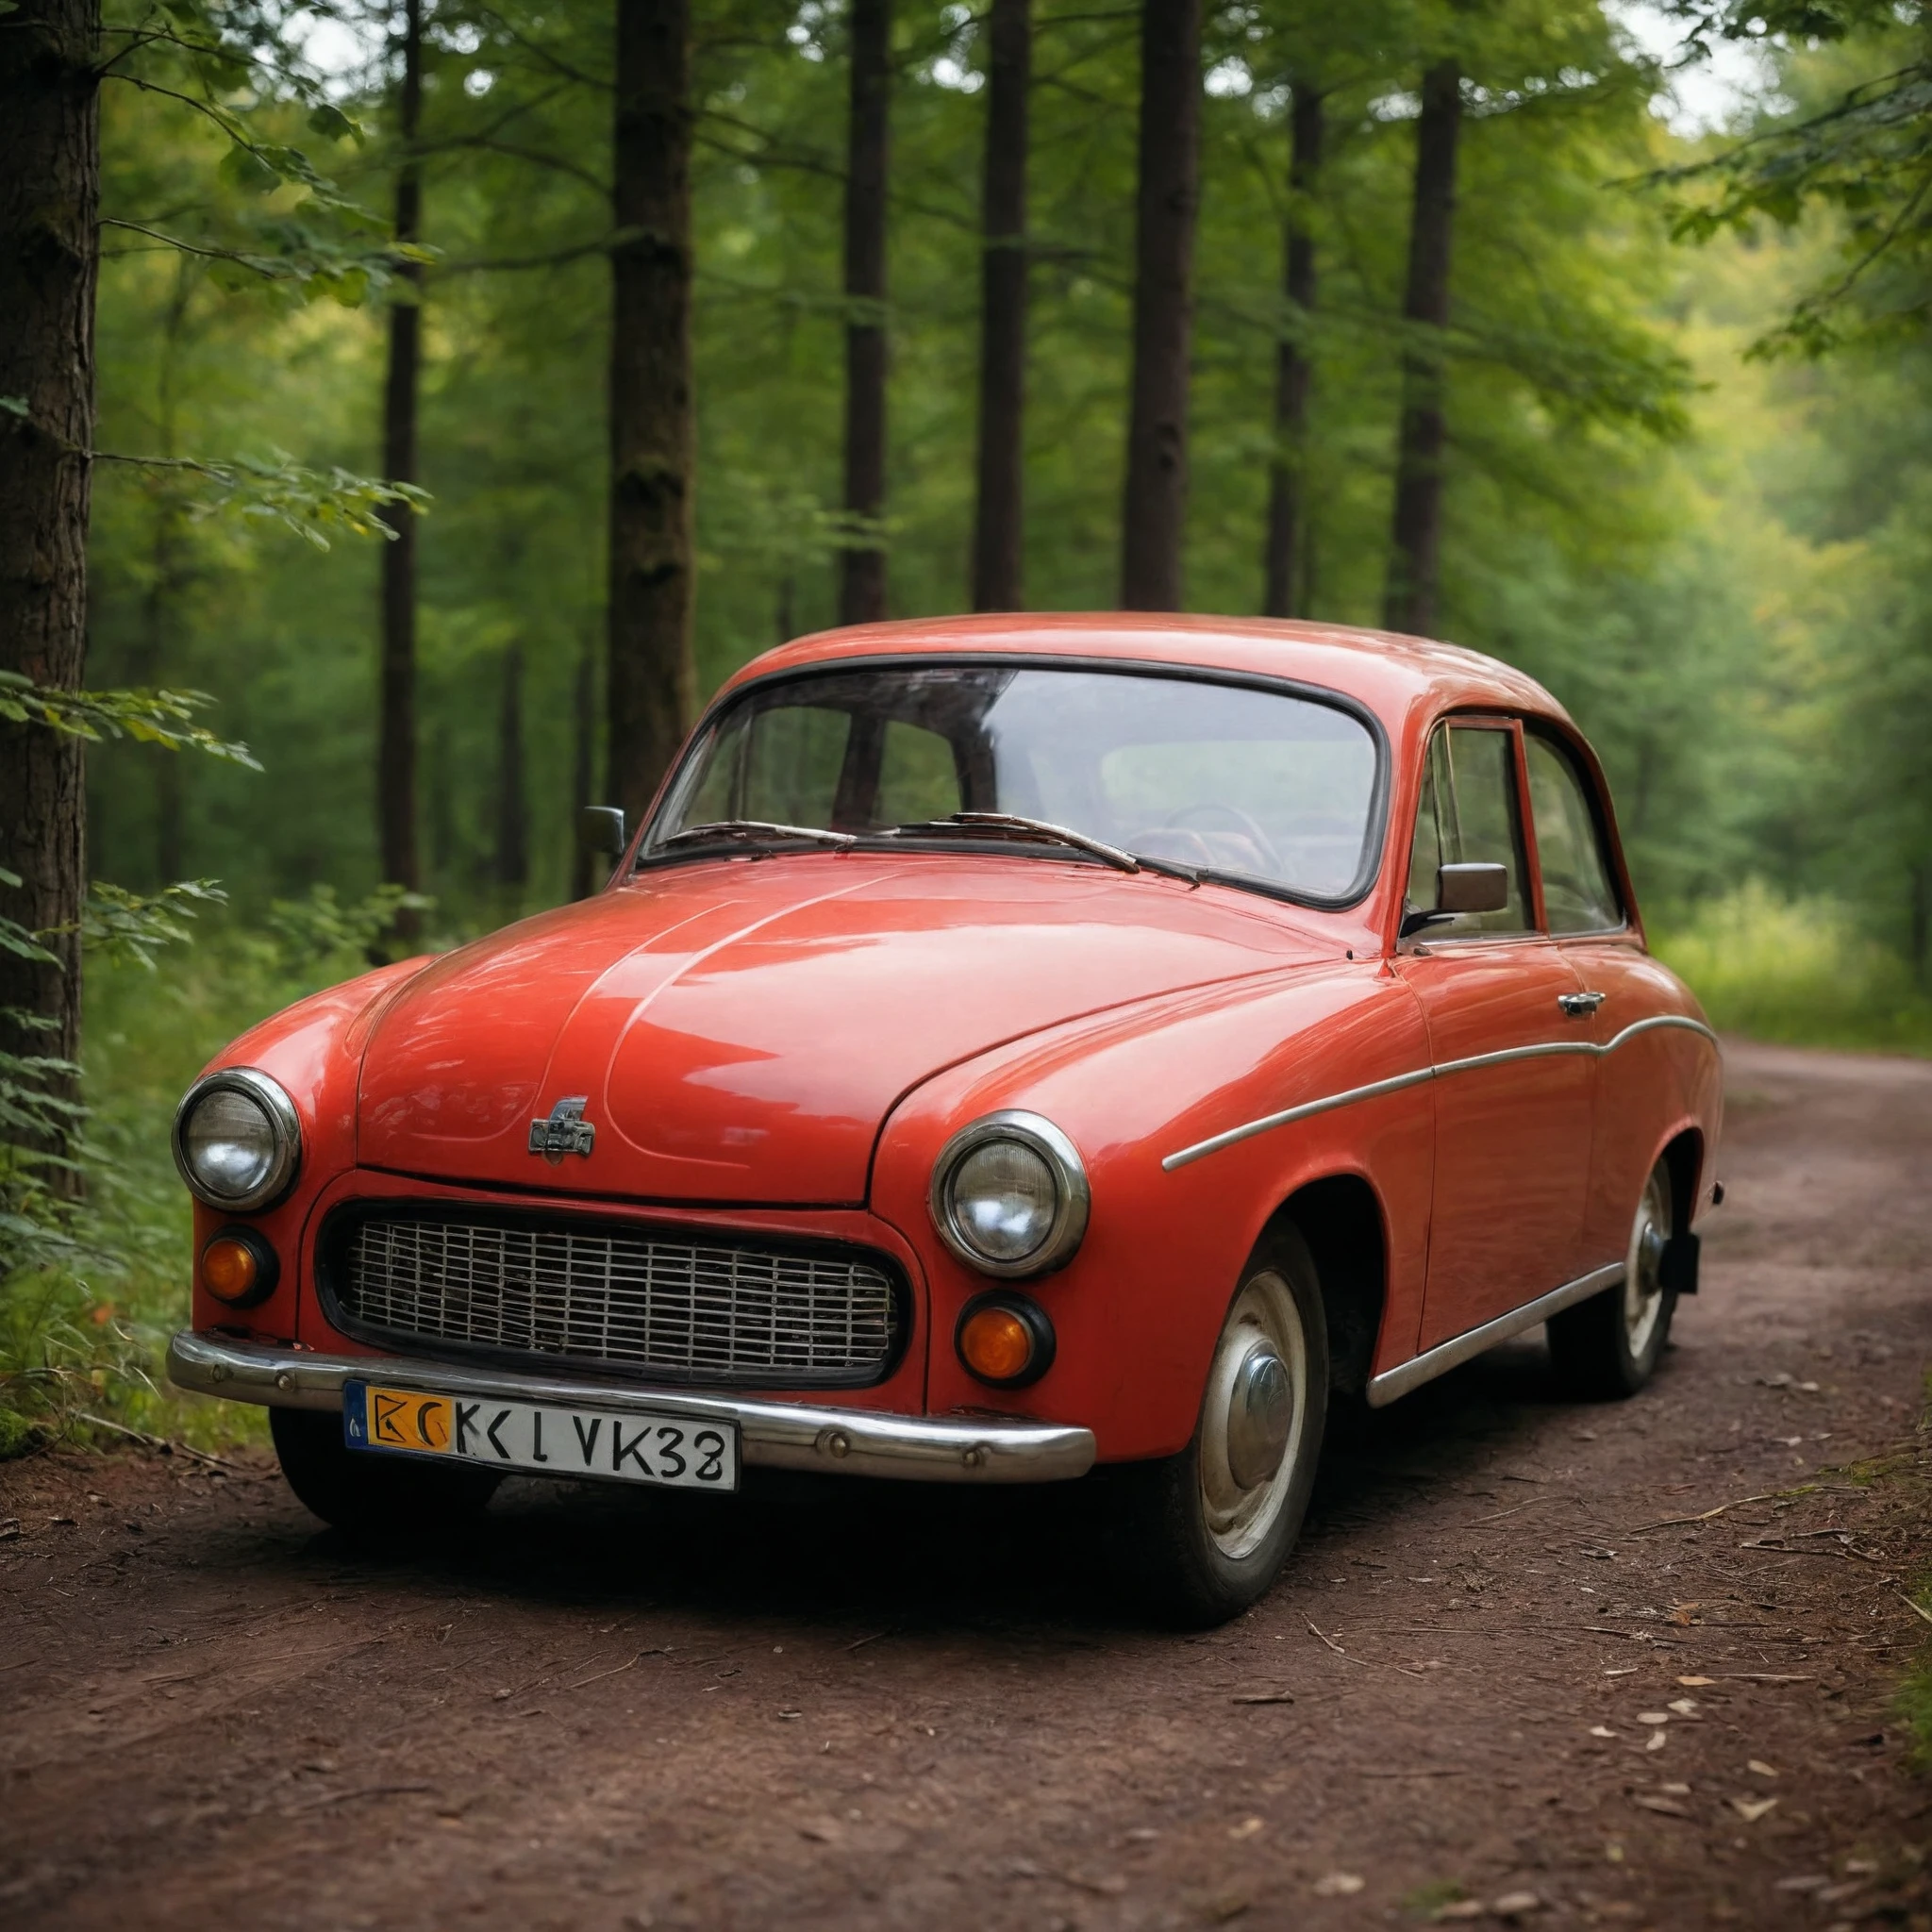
(1470, 812)
(1579, 890)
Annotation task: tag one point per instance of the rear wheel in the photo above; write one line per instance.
(1609, 1346)
(1208, 1530)
(371, 1495)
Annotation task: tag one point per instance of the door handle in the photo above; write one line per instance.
(1579, 1005)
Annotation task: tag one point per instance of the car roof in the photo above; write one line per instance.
(1393, 675)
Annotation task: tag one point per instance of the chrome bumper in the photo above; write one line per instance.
(774, 1435)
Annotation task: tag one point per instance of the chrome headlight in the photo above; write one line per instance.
(1010, 1195)
(237, 1141)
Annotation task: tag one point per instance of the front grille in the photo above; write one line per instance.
(648, 1304)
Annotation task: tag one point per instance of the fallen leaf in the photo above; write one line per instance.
(1653, 1717)
(1601, 1731)
(1763, 1768)
(1676, 1790)
(1669, 1807)
(1512, 1903)
(1655, 1740)
(1752, 1809)
(1685, 1707)
(1246, 1829)
(1220, 1906)
(1696, 1683)
(1339, 1885)
(1681, 1614)
(821, 1831)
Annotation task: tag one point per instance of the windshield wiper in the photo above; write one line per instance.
(748, 831)
(1008, 825)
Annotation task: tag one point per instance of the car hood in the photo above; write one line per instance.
(738, 1030)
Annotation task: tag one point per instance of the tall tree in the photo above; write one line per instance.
(396, 774)
(583, 771)
(998, 533)
(651, 679)
(512, 809)
(49, 206)
(863, 574)
(1168, 201)
(1285, 551)
(1410, 600)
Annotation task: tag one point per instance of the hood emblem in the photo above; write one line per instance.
(565, 1132)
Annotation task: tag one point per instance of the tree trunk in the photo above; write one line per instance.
(395, 756)
(651, 679)
(862, 573)
(1170, 193)
(49, 204)
(1285, 563)
(583, 774)
(513, 817)
(1410, 601)
(998, 535)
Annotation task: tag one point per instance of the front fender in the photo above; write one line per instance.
(315, 1049)
(1138, 1309)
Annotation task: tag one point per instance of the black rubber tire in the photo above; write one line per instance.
(1589, 1344)
(373, 1496)
(1158, 1522)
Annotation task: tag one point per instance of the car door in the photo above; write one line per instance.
(1513, 1120)
(1588, 922)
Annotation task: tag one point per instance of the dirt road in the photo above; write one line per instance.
(843, 1707)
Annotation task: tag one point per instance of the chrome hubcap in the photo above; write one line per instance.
(1643, 1298)
(1253, 1416)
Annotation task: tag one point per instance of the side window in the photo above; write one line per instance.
(1469, 812)
(1579, 894)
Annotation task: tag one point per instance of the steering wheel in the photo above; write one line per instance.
(1245, 825)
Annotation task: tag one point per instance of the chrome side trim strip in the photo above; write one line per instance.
(1459, 1349)
(774, 1435)
(1547, 1050)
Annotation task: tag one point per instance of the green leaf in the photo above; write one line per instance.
(328, 120)
(15, 406)
(244, 168)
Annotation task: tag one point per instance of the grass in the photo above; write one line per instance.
(84, 1319)
(1797, 970)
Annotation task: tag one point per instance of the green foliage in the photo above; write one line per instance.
(148, 717)
(1798, 971)
(278, 489)
(1856, 139)
(319, 931)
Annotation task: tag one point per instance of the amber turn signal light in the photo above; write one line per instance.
(238, 1267)
(1005, 1339)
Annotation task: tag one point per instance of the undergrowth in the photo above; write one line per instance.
(1798, 972)
(91, 1292)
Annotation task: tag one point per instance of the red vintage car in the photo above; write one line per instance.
(1010, 1044)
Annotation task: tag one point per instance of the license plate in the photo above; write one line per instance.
(542, 1439)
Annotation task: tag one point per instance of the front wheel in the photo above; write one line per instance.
(1208, 1530)
(372, 1495)
(1609, 1346)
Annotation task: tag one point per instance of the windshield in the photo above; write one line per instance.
(1259, 785)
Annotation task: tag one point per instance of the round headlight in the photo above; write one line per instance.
(237, 1141)
(1010, 1195)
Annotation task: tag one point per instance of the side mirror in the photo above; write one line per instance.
(600, 829)
(1475, 886)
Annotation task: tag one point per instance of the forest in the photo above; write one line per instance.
(411, 412)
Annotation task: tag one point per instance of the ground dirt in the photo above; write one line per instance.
(1526, 1663)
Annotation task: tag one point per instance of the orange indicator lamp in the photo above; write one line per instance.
(239, 1268)
(1004, 1339)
